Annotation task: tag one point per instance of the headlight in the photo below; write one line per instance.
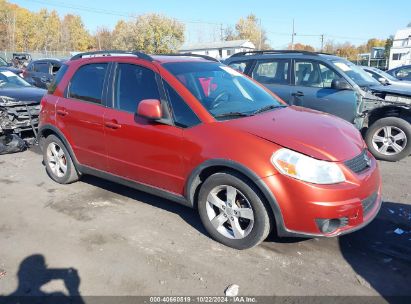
(306, 168)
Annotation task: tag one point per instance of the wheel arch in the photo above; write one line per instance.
(209, 167)
(389, 111)
(47, 130)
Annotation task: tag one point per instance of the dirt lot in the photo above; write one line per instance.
(124, 242)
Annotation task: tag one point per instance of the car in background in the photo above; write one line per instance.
(402, 72)
(5, 66)
(197, 132)
(386, 79)
(19, 104)
(332, 84)
(40, 73)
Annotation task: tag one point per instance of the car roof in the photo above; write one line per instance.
(48, 60)
(282, 54)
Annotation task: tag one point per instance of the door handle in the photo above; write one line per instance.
(112, 124)
(298, 94)
(62, 112)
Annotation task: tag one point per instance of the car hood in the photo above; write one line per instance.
(310, 132)
(397, 89)
(11, 69)
(23, 93)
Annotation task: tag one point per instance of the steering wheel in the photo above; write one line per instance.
(217, 101)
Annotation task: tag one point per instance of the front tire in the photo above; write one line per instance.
(389, 139)
(232, 211)
(59, 165)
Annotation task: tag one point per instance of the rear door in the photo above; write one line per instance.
(313, 89)
(80, 114)
(40, 74)
(275, 74)
(139, 149)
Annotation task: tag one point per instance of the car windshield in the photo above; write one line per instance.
(385, 75)
(224, 92)
(10, 80)
(3, 62)
(357, 74)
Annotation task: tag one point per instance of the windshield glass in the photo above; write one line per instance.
(10, 80)
(3, 62)
(357, 74)
(224, 92)
(386, 75)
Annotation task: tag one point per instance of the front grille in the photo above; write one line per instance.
(368, 203)
(359, 163)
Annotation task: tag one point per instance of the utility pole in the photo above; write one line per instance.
(322, 42)
(261, 36)
(292, 37)
(221, 32)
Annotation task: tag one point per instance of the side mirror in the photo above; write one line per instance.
(150, 109)
(383, 81)
(340, 84)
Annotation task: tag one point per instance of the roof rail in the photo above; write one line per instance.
(113, 53)
(192, 55)
(277, 52)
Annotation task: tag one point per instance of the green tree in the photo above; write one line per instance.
(103, 39)
(123, 35)
(250, 29)
(302, 47)
(388, 46)
(74, 35)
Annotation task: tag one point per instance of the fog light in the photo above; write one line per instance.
(328, 225)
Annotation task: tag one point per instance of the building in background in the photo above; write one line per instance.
(400, 53)
(220, 49)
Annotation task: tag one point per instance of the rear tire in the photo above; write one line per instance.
(58, 162)
(232, 211)
(389, 139)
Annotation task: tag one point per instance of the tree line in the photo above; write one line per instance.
(23, 30)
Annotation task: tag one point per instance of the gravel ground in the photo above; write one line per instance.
(98, 238)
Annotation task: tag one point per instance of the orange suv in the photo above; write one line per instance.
(190, 129)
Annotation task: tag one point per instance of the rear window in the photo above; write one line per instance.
(59, 76)
(87, 83)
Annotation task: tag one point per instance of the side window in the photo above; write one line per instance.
(239, 65)
(41, 67)
(313, 74)
(55, 68)
(87, 83)
(183, 116)
(57, 79)
(134, 84)
(272, 72)
(403, 73)
(327, 76)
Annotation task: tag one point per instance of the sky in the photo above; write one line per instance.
(351, 20)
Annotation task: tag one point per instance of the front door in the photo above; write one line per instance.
(138, 149)
(313, 89)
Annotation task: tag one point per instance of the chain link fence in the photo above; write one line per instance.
(8, 55)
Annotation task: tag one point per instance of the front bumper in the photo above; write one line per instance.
(302, 204)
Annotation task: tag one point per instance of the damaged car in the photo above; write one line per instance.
(334, 85)
(19, 104)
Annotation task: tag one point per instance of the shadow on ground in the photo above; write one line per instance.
(189, 215)
(380, 253)
(33, 273)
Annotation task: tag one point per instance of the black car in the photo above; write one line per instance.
(402, 72)
(19, 104)
(332, 84)
(4, 66)
(40, 73)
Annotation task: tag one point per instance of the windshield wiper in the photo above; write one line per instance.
(231, 114)
(267, 108)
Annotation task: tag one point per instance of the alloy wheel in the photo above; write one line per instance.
(56, 159)
(230, 212)
(389, 140)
